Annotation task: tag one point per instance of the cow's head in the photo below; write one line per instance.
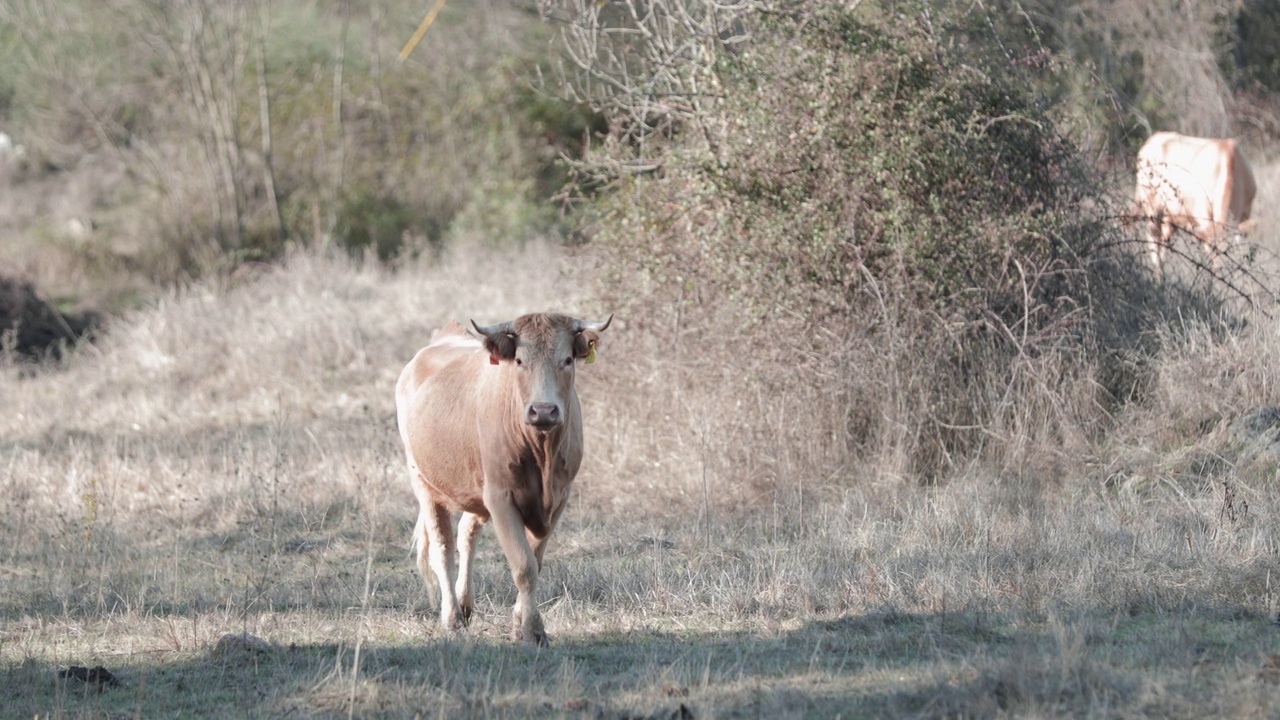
(541, 351)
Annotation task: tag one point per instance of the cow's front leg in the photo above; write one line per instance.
(436, 553)
(468, 528)
(526, 622)
(539, 544)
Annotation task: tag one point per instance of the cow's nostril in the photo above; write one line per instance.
(543, 414)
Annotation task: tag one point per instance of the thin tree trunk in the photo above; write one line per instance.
(340, 152)
(212, 82)
(198, 92)
(375, 60)
(264, 111)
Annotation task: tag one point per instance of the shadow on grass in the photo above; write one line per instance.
(875, 665)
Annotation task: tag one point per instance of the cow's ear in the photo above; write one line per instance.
(501, 346)
(585, 344)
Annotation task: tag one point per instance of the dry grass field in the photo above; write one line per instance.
(225, 461)
(205, 512)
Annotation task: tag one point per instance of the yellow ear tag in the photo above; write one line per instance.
(591, 352)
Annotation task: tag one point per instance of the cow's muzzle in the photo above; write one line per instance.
(543, 415)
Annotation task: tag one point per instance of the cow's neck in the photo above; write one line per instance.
(545, 447)
(540, 479)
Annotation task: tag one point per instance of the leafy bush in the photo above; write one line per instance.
(381, 223)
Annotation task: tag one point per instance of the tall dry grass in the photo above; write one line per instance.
(225, 460)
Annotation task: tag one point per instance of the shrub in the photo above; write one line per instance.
(886, 239)
(381, 223)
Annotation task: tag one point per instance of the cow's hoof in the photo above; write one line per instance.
(464, 615)
(535, 635)
(452, 623)
(537, 639)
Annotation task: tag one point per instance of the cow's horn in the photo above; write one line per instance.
(505, 328)
(579, 326)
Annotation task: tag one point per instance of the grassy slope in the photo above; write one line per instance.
(226, 461)
(116, 194)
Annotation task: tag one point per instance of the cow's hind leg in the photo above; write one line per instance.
(526, 622)
(468, 528)
(436, 554)
(1159, 238)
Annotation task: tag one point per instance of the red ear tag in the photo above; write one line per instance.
(493, 360)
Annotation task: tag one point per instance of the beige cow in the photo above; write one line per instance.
(1200, 185)
(492, 428)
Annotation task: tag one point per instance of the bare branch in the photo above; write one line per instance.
(648, 64)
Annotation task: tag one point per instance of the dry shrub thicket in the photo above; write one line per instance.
(872, 256)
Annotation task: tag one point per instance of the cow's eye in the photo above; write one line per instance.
(519, 362)
(568, 361)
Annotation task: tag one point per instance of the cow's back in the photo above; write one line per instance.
(1199, 183)
(438, 400)
(1179, 172)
